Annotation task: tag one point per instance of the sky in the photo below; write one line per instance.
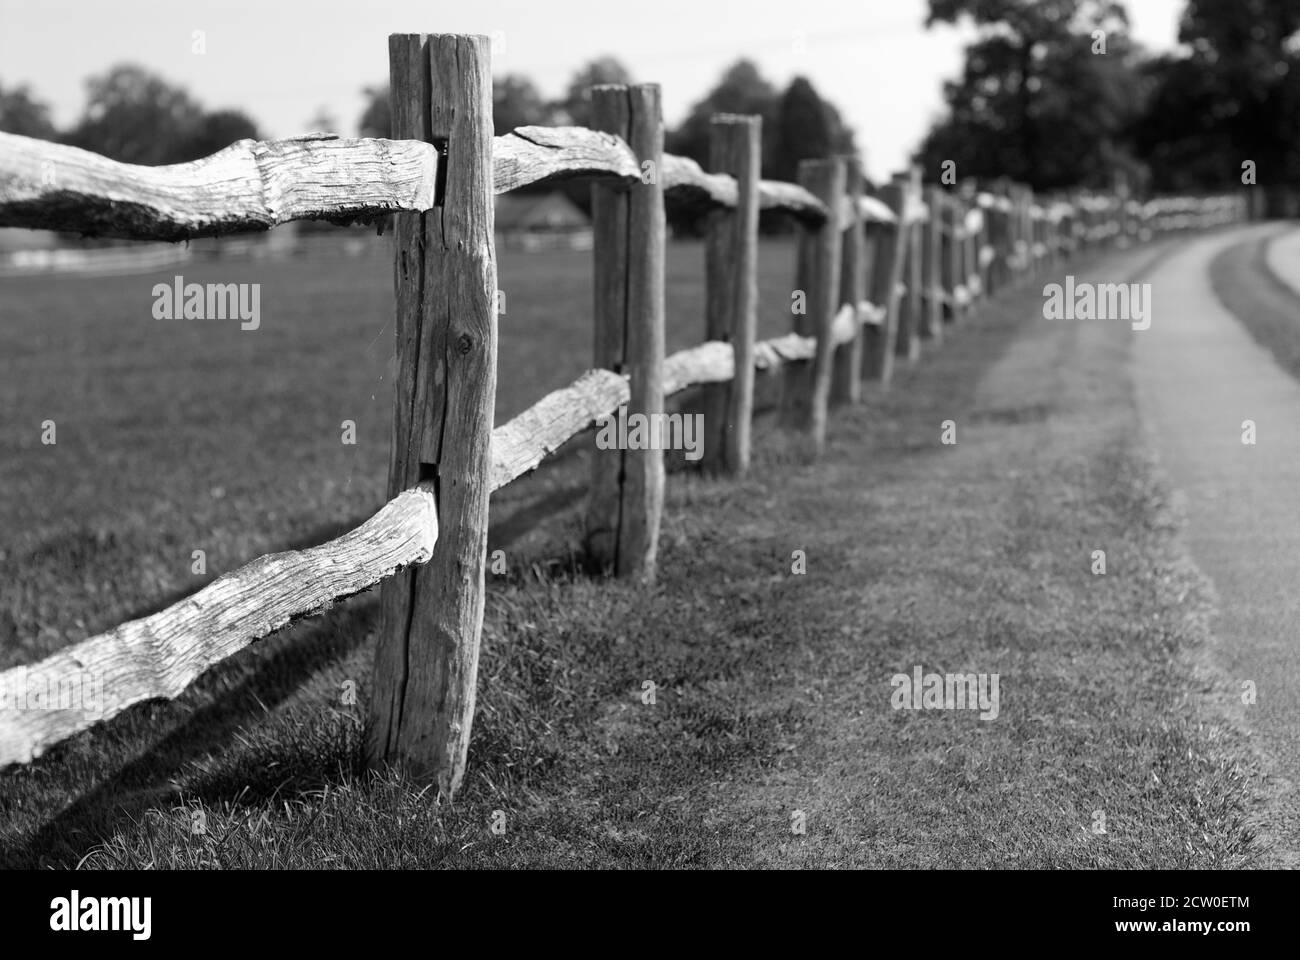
(282, 61)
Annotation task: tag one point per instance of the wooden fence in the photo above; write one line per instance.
(881, 270)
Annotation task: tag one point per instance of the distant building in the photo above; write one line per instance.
(541, 221)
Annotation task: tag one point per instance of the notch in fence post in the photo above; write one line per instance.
(807, 388)
(731, 291)
(627, 485)
(426, 660)
(908, 343)
(931, 237)
(846, 380)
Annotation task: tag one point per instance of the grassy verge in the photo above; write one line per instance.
(772, 689)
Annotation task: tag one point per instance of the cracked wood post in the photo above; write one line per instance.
(908, 342)
(426, 661)
(806, 391)
(886, 275)
(627, 486)
(931, 237)
(846, 382)
(731, 292)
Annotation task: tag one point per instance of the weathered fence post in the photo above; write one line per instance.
(931, 247)
(731, 291)
(886, 277)
(908, 343)
(846, 381)
(426, 661)
(627, 486)
(807, 388)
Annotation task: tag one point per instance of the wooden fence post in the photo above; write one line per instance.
(807, 388)
(731, 291)
(627, 486)
(931, 256)
(886, 276)
(908, 343)
(846, 381)
(426, 661)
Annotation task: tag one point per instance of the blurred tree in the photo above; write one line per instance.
(742, 89)
(806, 128)
(21, 113)
(377, 119)
(576, 104)
(1235, 96)
(323, 121)
(1046, 96)
(135, 116)
(218, 130)
(516, 103)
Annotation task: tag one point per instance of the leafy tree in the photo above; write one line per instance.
(1038, 100)
(1234, 97)
(742, 89)
(517, 103)
(217, 131)
(806, 128)
(135, 116)
(576, 104)
(23, 114)
(377, 119)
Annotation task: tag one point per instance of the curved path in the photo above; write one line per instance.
(1199, 374)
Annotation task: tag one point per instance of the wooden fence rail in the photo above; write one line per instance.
(883, 270)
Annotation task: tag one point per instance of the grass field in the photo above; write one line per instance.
(180, 435)
(773, 688)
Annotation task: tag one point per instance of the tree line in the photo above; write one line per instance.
(1052, 93)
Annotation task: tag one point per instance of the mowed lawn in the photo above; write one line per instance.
(183, 435)
(773, 698)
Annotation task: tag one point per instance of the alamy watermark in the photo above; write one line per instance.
(1098, 301)
(652, 431)
(947, 691)
(209, 301)
(25, 688)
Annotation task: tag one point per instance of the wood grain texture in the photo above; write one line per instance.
(250, 185)
(731, 293)
(643, 470)
(686, 185)
(609, 224)
(846, 378)
(427, 660)
(528, 155)
(160, 655)
(886, 277)
(907, 344)
(806, 394)
(254, 185)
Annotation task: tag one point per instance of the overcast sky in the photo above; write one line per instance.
(282, 60)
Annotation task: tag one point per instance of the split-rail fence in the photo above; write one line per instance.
(883, 270)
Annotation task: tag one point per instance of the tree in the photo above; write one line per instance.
(377, 119)
(217, 131)
(323, 121)
(1046, 96)
(805, 130)
(1234, 97)
(135, 116)
(576, 104)
(516, 103)
(742, 89)
(23, 114)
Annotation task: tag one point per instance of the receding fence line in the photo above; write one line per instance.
(869, 265)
